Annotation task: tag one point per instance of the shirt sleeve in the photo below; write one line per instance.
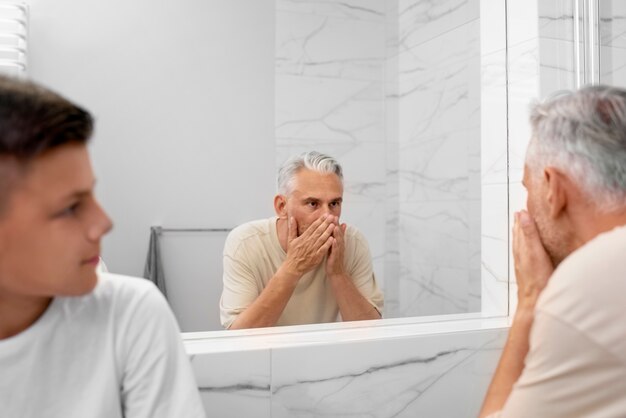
(362, 273)
(566, 374)
(157, 380)
(240, 285)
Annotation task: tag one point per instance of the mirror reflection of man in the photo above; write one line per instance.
(302, 266)
(73, 343)
(565, 355)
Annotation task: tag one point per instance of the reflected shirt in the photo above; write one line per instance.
(253, 254)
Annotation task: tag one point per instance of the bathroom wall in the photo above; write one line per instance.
(556, 45)
(130, 71)
(172, 80)
(438, 157)
(613, 42)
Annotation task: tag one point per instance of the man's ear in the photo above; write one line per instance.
(556, 191)
(280, 206)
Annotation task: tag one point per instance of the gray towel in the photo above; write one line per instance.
(153, 270)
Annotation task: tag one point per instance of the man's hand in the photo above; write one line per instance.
(533, 266)
(306, 251)
(335, 262)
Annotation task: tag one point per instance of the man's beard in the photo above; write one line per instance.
(556, 241)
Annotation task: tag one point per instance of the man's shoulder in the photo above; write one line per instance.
(249, 231)
(596, 262)
(586, 289)
(355, 237)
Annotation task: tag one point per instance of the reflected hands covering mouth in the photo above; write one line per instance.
(335, 262)
(306, 251)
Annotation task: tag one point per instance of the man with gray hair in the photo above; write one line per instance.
(566, 351)
(301, 266)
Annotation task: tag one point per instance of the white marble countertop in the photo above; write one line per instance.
(332, 333)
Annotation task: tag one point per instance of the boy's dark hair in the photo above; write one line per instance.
(34, 120)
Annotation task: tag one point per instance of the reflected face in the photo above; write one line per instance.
(51, 229)
(313, 195)
(556, 237)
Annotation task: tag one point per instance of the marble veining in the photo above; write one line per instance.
(324, 46)
(386, 380)
(412, 85)
(373, 10)
(234, 388)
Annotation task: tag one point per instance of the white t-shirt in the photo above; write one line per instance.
(115, 352)
(576, 364)
(253, 254)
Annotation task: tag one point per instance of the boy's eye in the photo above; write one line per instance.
(70, 210)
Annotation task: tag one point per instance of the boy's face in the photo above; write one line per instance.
(51, 227)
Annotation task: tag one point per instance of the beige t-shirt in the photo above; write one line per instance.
(252, 255)
(576, 365)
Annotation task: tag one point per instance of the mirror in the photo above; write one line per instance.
(198, 102)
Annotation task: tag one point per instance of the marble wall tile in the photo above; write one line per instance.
(494, 250)
(369, 10)
(433, 289)
(439, 245)
(422, 20)
(457, 45)
(326, 109)
(612, 23)
(556, 19)
(324, 46)
(234, 384)
(524, 87)
(439, 162)
(405, 377)
(493, 270)
(492, 26)
(436, 169)
(474, 297)
(435, 233)
(493, 127)
(522, 22)
(557, 65)
(613, 66)
(439, 117)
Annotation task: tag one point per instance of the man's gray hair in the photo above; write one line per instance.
(311, 160)
(583, 133)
